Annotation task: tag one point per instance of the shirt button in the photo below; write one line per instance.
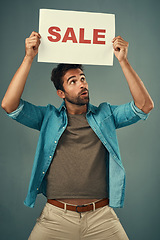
(43, 172)
(55, 141)
(37, 189)
(50, 156)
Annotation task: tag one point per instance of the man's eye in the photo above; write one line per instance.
(83, 79)
(72, 82)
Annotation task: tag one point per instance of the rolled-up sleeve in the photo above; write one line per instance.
(139, 112)
(127, 114)
(28, 114)
(15, 113)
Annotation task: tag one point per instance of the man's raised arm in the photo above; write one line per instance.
(13, 94)
(139, 93)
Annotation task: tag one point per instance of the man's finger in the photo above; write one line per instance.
(35, 34)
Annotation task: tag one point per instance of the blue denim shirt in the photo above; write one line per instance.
(51, 122)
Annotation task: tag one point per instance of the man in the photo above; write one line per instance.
(77, 163)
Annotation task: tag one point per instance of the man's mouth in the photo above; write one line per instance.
(84, 92)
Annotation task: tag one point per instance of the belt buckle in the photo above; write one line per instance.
(79, 206)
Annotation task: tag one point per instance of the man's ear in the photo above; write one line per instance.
(60, 93)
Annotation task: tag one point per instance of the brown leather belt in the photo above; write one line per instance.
(80, 208)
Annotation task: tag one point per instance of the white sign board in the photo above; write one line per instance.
(76, 37)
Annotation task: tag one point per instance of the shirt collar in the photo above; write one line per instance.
(63, 106)
(91, 108)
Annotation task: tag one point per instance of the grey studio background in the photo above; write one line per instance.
(137, 21)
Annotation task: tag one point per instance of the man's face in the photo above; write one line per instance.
(75, 87)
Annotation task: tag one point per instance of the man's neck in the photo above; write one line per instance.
(75, 109)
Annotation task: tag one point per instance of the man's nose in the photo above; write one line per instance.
(82, 84)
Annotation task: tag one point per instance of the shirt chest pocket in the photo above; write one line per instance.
(108, 128)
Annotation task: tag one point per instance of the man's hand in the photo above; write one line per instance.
(120, 48)
(31, 44)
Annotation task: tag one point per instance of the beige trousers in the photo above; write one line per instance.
(58, 224)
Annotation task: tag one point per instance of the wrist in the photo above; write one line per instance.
(28, 59)
(124, 62)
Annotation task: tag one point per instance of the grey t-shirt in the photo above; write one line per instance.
(79, 168)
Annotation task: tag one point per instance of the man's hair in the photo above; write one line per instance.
(58, 73)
